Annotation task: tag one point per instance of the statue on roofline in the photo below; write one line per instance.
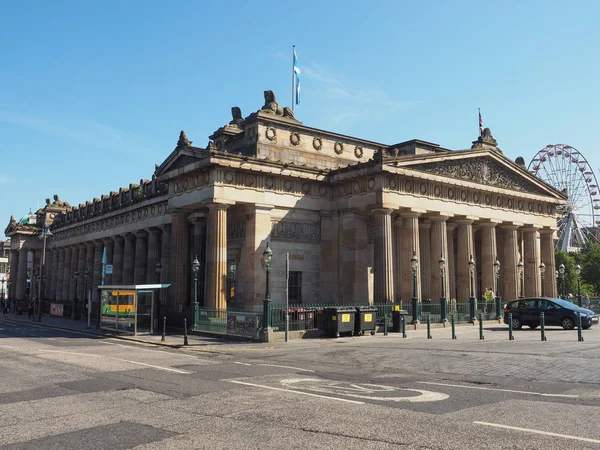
(271, 106)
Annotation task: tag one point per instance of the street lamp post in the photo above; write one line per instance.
(231, 270)
(195, 270)
(45, 233)
(266, 261)
(472, 299)
(561, 272)
(543, 276)
(578, 272)
(157, 270)
(75, 277)
(414, 264)
(86, 275)
(443, 303)
(520, 270)
(498, 297)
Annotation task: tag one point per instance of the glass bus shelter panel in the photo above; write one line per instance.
(144, 312)
(118, 311)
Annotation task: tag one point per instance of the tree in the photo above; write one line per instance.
(590, 268)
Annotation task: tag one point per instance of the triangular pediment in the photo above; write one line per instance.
(181, 157)
(485, 167)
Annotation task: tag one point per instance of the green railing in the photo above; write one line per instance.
(233, 322)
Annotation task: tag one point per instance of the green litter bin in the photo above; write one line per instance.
(339, 321)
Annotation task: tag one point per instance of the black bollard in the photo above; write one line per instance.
(453, 326)
(579, 329)
(543, 326)
(510, 329)
(481, 338)
(403, 317)
(185, 339)
(428, 326)
(385, 325)
(164, 330)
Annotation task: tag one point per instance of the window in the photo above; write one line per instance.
(2, 267)
(295, 287)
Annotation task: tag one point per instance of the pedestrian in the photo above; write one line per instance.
(16, 307)
(5, 308)
(30, 310)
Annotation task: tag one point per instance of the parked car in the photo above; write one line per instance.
(526, 311)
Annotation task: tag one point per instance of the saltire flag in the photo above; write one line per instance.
(297, 74)
(480, 123)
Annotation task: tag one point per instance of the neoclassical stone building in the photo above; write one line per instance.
(349, 212)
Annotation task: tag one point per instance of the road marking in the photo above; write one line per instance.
(287, 367)
(500, 390)
(168, 369)
(358, 390)
(298, 392)
(241, 363)
(547, 433)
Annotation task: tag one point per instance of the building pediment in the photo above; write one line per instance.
(486, 168)
(183, 155)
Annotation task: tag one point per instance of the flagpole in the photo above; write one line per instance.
(293, 76)
(479, 111)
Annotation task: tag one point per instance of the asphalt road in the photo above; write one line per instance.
(68, 390)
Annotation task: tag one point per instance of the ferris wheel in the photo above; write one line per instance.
(566, 169)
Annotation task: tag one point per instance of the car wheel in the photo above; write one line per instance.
(533, 327)
(567, 323)
(516, 323)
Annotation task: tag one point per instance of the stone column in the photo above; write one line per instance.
(410, 244)
(216, 257)
(74, 268)
(383, 260)
(180, 243)
(141, 257)
(53, 276)
(547, 253)
(22, 275)
(109, 246)
(532, 286)
(258, 230)
(489, 251)
(97, 273)
(128, 258)
(60, 275)
(117, 277)
(165, 252)
(464, 251)
(439, 248)
(81, 270)
(66, 285)
(14, 273)
(153, 255)
(330, 273)
(451, 262)
(198, 249)
(509, 276)
(353, 248)
(425, 258)
(398, 258)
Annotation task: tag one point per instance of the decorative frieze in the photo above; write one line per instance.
(285, 230)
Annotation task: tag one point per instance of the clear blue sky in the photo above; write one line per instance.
(93, 94)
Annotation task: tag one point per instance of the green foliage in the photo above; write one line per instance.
(589, 261)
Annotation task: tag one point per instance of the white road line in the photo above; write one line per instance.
(168, 369)
(298, 392)
(286, 367)
(547, 433)
(501, 390)
(242, 364)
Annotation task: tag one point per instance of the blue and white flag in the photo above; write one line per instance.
(297, 73)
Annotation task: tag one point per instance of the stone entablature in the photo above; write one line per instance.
(109, 221)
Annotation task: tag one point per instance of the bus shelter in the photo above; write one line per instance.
(130, 309)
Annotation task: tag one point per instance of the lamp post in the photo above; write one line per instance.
(543, 276)
(157, 270)
(86, 275)
(472, 299)
(443, 303)
(498, 298)
(414, 264)
(520, 271)
(45, 233)
(578, 272)
(266, 261)
(75, 277)
(561, 273)
(231, 270)
(195, 270)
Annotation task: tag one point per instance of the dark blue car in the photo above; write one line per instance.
(526, 311)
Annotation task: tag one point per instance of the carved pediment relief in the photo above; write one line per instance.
(481, 170)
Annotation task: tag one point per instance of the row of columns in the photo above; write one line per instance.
(433, 237)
